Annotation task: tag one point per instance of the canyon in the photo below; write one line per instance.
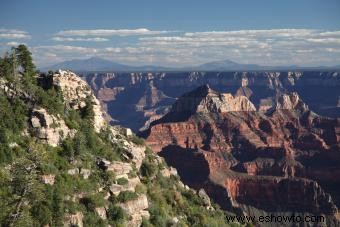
(257, 142)
(281, 160)
(136, 99)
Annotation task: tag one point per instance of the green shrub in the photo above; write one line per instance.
(91, 219)
(116, 215)
(146, 223)
(140, 188)
(87, 112)
(41, 211)
(50, 99)
(126, 196)
(137, 140)
(122, 181)
(148, 169)
(93, 201)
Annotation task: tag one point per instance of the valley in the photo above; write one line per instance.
(257, 142)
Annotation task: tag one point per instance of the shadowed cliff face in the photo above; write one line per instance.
(284, 159)
(136, 99)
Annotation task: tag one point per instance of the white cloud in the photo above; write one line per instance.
(13, 34)
(265, 47)
(13, 43)
(110, 32)
(69, 39)
(67, 49)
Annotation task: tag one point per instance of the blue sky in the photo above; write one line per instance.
(175, 33)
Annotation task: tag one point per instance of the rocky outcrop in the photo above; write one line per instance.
(101, 212)
(206, 200)
(12, 91)
(49, 128)
(131, 184)
(120, 169)
(278, 161)
(48, 179)
(291, 101)
(167, 172)
(76, 92)
(74, 220)
(137, 210)
(205, 100)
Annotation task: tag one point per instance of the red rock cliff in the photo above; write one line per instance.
(286, 159)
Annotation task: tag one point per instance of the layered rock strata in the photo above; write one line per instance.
(285, 159)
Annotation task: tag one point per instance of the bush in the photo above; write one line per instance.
(92, 219)
(41, 211)
(116, 214)
(87, 112)
(126, 196)
(72, 119)
(93, 201)
(137, 140)
(50, 99)
(122, 181)
(146, 223)
(140, 188)
(148, 169)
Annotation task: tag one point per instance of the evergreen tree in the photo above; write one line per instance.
(6, 67)
(25, 60)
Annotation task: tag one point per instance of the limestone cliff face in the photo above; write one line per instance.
(291, 101)
(283, 160)
(205, 100)
(75, 92)
(49, 128)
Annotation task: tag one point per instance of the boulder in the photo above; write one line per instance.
(48, 179)
(49, 128)
(85, 173)
(136, 209)
(101, 211)
(116, 189)
(203, 195)
(74, 171)
(165, 172)
(136, 205)
(74, 220)
(119, 168)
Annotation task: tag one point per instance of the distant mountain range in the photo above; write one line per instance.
(96, 64)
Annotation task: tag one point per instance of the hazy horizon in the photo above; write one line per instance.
(175, 34)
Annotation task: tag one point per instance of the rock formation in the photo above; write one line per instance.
(134, 100)
(48, 128)
(75, 92)
(97, 175)
(282, 160)
(137, 210)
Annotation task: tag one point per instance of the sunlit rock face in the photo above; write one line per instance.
(282, 160)
(75, 92)
(48, 128)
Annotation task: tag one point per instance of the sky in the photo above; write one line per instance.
(175, 33)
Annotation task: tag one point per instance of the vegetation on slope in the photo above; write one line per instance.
(27, 201)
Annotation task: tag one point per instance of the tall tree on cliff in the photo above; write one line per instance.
(25, 61)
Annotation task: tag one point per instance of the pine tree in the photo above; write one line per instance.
(25, 60)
